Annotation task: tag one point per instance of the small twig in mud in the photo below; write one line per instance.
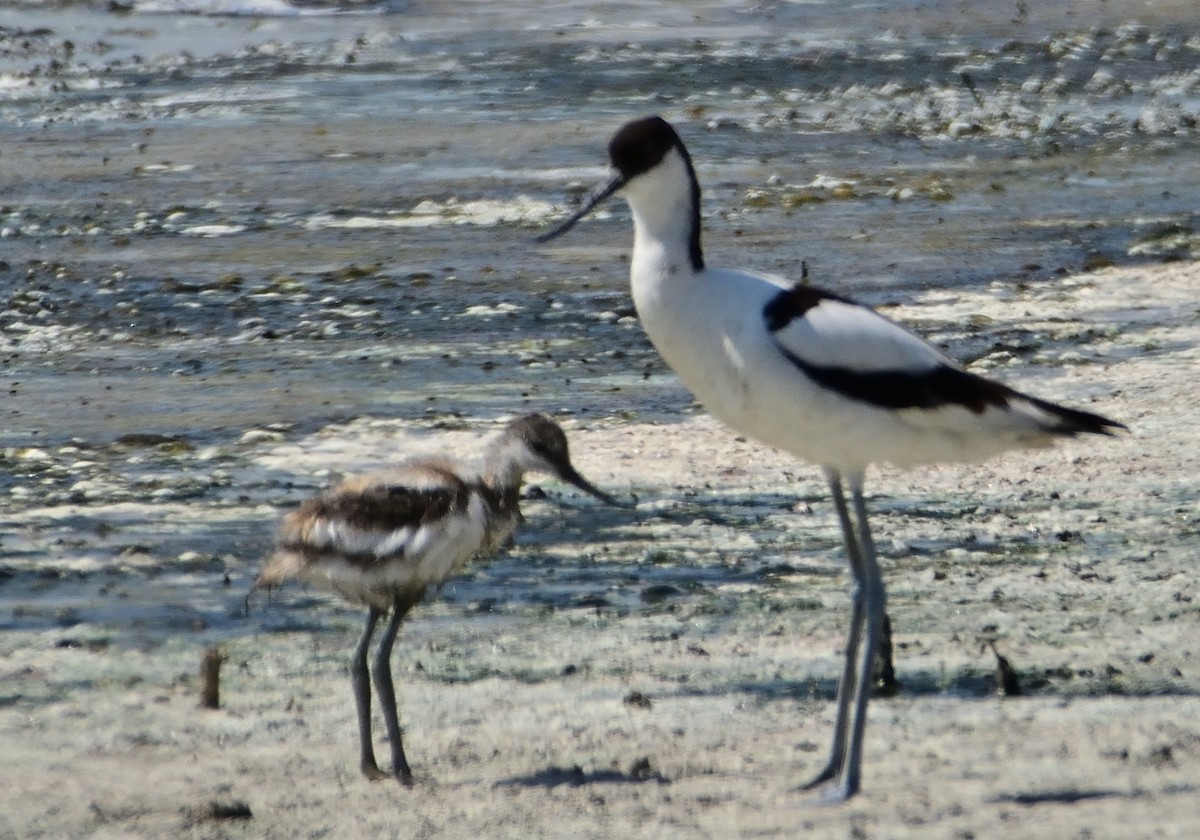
(210, 678)
(1007, 684)
(643, 770)
(219, 811)
(638, 700)
(969, 83)
(235, 810)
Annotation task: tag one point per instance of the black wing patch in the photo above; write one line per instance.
(377, 508)
(389, 507)
(794, 303)
(937, 387)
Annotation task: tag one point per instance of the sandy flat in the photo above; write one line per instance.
(669, 671)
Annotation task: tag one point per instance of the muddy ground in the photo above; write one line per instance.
(661, 672)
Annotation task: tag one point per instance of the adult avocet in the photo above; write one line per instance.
(812, 373)
(382, 539)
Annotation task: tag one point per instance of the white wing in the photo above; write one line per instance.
(831, 332)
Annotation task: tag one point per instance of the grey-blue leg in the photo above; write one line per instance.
(387, 693)
(841, 776)
(360, 679)
(846, 683)
(874, 614)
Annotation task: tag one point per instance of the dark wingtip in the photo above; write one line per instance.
(1074, 421)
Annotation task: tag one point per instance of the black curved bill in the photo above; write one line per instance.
(569, 474)
(595, 197)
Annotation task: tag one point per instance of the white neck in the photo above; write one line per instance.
(505, 465)
(665, 222)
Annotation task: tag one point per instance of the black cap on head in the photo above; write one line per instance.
(634, 150)
(641, 145)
